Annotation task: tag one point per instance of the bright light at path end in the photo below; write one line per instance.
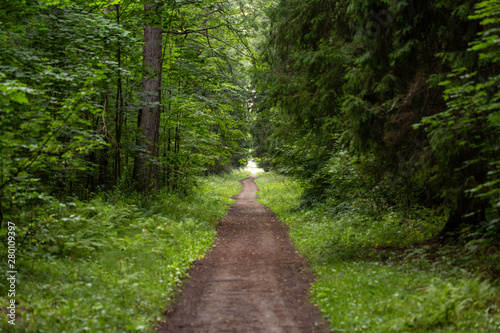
(252, 167)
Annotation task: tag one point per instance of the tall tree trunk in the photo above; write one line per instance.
(145, 166)
(118, 108)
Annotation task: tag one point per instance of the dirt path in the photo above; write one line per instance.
(251, 281)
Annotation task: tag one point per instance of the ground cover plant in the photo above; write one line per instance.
(375, 276)
(114, 263)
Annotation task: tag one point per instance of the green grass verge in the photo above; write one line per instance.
(119, 265)
(371, 279)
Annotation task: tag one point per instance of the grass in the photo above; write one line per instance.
(378, 272)
(115, 264)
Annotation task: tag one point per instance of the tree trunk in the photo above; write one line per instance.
(118, 108)
(145, 165)
(468, 211)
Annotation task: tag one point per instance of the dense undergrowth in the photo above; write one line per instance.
(379, 269)
(114, 263)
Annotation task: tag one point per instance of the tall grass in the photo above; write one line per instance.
(120, 261)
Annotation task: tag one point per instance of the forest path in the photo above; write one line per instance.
(251, 281)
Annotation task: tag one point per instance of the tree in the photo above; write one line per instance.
(146, 164)
(465, 137)
(358, 75)
(54, 65)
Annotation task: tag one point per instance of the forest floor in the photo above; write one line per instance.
(253, 280)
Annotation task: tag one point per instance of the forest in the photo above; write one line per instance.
(125, 126)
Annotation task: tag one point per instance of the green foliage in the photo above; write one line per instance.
(358, 75)
(464, 137)
(53, 67)
(371, 278)
(204, 91)
(70, 77)
(114, 263)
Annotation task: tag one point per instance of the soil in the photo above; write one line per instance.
(253, 280)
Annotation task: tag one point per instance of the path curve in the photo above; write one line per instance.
(251, 281)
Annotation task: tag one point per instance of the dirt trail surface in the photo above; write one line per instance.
(251, 281)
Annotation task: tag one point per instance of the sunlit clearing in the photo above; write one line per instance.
(252, 167)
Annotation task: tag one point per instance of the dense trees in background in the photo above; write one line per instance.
(397, 97)
(117, 95)
(397, 100)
